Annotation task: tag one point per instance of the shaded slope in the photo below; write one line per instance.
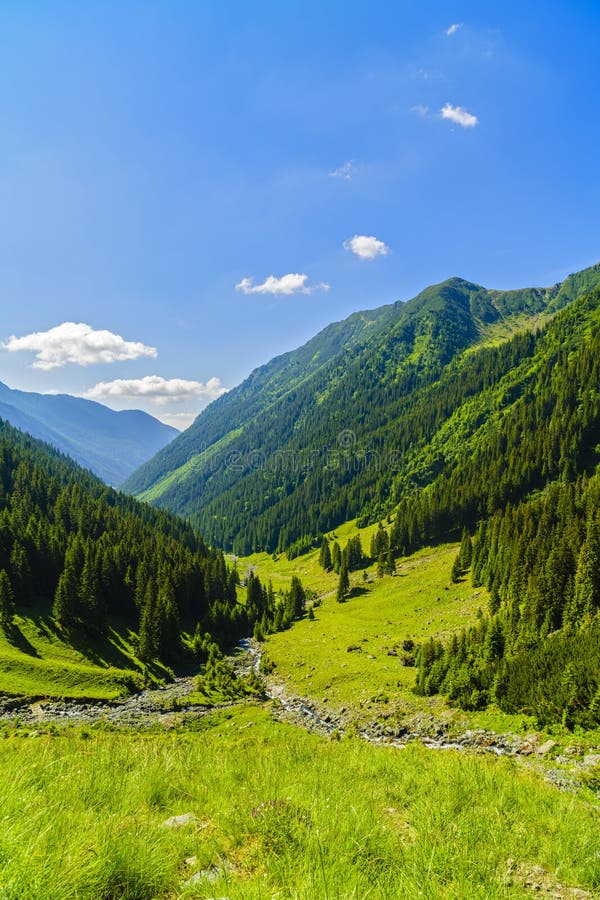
(111, 444)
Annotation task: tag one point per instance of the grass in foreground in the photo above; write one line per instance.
(278, 813)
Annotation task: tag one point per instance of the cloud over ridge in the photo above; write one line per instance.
(156, 389)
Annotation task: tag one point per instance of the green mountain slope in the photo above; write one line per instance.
(111, 444)
(347, 424)
(96, 589)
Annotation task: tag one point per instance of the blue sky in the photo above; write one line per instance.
(154, 155)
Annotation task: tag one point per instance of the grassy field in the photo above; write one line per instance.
(351, 654)
(37, 659)
(276, 813)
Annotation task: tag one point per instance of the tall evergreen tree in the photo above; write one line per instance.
(66, 600)
(7, 600)
(325, 555)
(343, 588)
(336, 557)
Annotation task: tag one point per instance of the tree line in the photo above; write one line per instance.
(99, 556)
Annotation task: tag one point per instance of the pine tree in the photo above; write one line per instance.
(336, 557)
(587, 577)
(167, 620)
(7, 600)
(297, 596)
(65, 608)
(390, 565)
(343, 588)
(148, 644)
(457, 569)
(463, 559)
(325, 555)
(466, 550)
(90, 598)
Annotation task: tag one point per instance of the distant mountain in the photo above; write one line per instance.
(365, 414)
(111, 444)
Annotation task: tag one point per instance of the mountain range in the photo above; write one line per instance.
(368, 413)
(111, 444)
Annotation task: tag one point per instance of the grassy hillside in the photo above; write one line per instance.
(353, 434)
(271, 811)
(351, 654)
(38, 659)
(95, 587)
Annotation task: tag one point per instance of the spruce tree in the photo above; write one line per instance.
(148, 644)
(66, 600)
(343, 588)
(325, 555)
(390, 565)
(587, 577)
(7, 600)
(297, 596)
(336, 557)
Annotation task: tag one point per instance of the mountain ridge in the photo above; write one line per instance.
(359, 375)
(110, 443)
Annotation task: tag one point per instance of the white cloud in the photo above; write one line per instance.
(459, 115)
(293, 283)
(366, 247)
(453, 28)
(75, 342)
(420, 110)
(179, 420)
(345, 171)
(155, 389)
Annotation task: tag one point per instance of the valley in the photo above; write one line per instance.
(401, 663)
(299, 451)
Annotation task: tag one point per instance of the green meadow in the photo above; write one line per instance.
(351, 654)
(274, 812)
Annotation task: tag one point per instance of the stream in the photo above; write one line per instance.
(166, 707)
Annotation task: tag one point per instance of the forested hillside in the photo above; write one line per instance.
(537, 648)
(91, 556)
(372, 411)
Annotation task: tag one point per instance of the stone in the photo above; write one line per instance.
(591, 759)
(180, 821)
(546, 747)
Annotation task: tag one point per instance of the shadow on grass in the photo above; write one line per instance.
(102, 650)
(17, 639)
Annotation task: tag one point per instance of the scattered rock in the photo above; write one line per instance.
(533, 878)
(574, 750)
(180, 821)
(546, 748)
(211, 875)
(591, 759)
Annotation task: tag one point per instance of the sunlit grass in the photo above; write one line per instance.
(277, 813)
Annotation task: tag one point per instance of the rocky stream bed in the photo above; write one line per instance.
(167, 707)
